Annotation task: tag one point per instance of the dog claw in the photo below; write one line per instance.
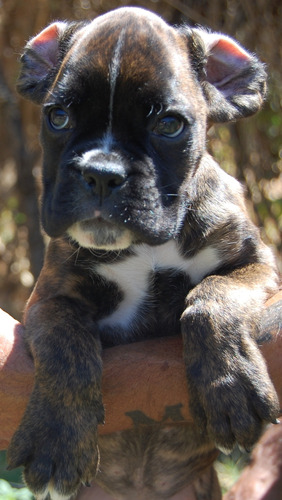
(243, 449)
(225, 451)
(275, 421)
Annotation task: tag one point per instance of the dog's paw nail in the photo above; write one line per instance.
(224, 450)
(243, 449)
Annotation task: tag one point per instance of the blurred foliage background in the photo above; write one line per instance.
(250, 150)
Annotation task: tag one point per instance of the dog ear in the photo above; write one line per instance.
(232, 79)
(41, 59)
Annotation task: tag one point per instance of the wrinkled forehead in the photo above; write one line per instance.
(132, 46)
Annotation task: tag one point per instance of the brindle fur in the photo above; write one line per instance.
(156, 462)
(115, 78)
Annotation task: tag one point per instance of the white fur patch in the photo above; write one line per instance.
(42, 496)
(87, 239)
(104, 146)
(132, 275)
(107, 143)
(114, 72)
(202, 264)
(53, 495)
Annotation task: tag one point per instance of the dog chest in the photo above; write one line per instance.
(153, 278)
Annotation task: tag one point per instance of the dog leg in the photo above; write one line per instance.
(231, 392)
(56, 441)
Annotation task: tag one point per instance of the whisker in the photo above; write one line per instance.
(72, 254)
(77, 254)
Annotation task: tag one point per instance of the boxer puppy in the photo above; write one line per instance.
(149, 236)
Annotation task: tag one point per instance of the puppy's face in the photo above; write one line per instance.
(125, 103)
(122, 126)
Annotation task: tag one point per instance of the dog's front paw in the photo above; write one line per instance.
(58, 449)
(235, 403)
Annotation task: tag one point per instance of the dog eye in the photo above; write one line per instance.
(169, 126)
(59, 118)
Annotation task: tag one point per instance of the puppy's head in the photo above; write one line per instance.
(125, 103)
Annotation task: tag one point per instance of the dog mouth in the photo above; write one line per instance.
(101, 234)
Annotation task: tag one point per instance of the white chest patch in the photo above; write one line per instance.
(132, 275)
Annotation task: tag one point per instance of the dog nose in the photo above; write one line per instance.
(104, 179)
